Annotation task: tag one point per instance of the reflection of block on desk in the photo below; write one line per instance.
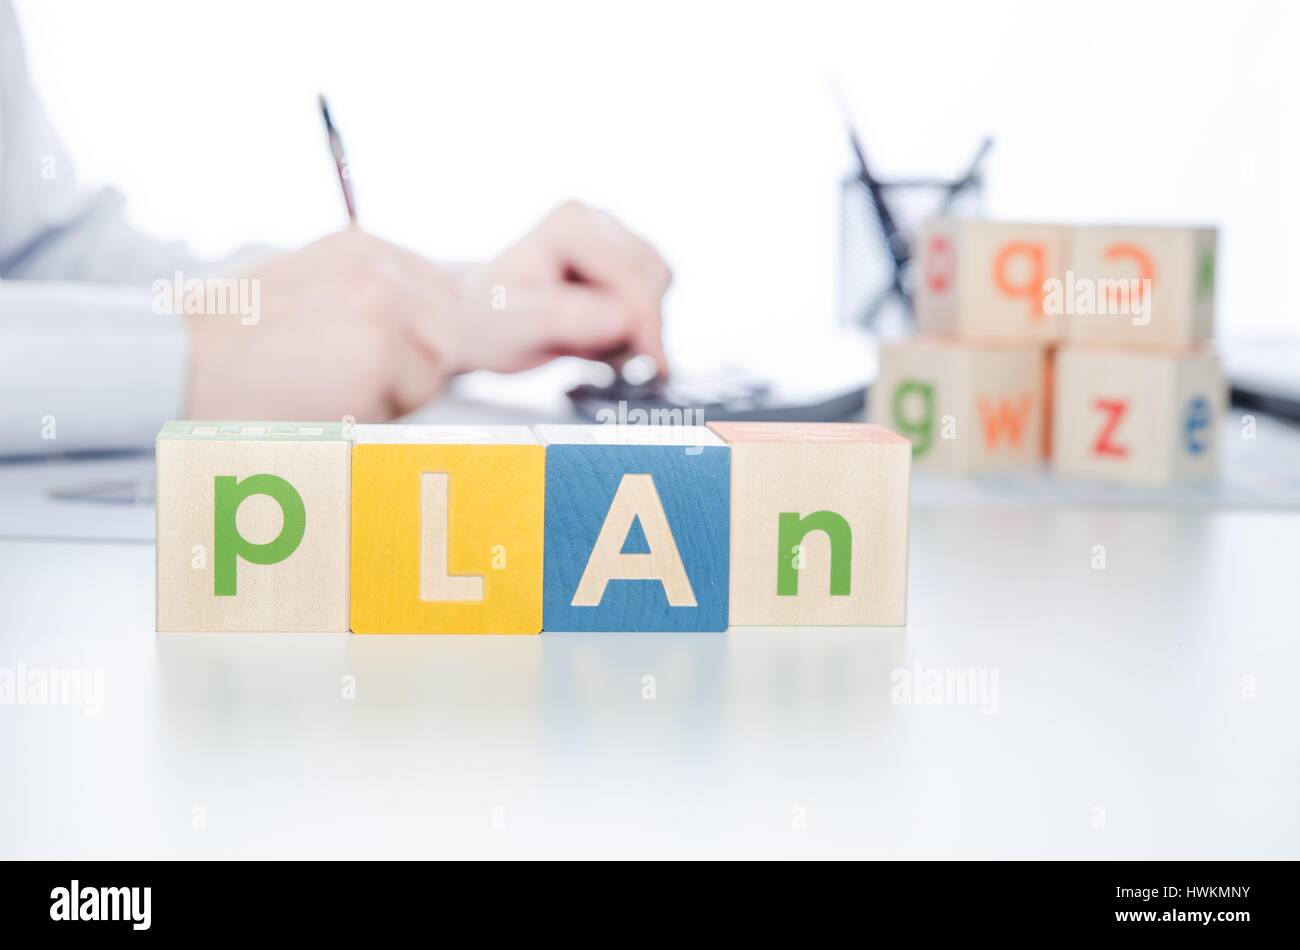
(1144, 417)
(447, 529)
(966, 407)
(818, 523)
(252, 529)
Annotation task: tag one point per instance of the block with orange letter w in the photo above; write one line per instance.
(1004, 416)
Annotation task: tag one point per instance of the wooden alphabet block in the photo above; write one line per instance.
(252, 527)
(1133, 416)
(985, 280)
(966, 407)
(447, 529)
(1140, 286)
(637, 528)
(818, 523)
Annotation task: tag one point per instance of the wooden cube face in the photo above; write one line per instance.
(818, 524)
(1148, 287)
(447, 529)
(637, 528)
(252, 528)
(966, 407)
(1141, 417)
(984, 280)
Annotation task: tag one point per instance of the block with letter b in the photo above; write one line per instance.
(252, 530)
(637, 528)
(818, 524)
(1144, 417)
(447, 529)
(1140, 286)
(966, 407)
(986, 280)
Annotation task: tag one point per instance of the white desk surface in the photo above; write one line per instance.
(1156, 698)
(1123, 689)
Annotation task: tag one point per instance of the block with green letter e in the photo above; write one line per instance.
(818, 523)
(1145, 417)
(965, 406)
(253, 523)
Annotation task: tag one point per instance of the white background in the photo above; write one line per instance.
(708, 127)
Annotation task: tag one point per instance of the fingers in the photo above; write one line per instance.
(594, 248)
(581, 284)
(416, 379)
(418, 295)
(653, 269)
(571, 320)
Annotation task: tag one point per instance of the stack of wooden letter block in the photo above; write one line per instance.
(1087, 346)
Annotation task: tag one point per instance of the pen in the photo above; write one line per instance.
(340, 158)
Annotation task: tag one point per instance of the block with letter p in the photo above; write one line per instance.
(818, 525)
(1144, 417)
(966, 407)
(986, 280)
(447, 529)
(252, 530)
(1130, 286)
(637, 525)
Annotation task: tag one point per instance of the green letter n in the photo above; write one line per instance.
(791, 530)
(229, 545)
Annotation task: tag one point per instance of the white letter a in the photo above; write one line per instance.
(636, 498)
(59, 909)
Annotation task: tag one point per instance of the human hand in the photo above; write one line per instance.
(353, 325)
(579, 284)
(348, 325)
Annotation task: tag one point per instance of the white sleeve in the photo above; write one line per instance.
(86, 367)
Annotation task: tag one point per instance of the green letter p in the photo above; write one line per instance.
(229, 545)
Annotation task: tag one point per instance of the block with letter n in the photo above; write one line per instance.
(637, 528)
(447, 529)
(252, 527)
(818, 523)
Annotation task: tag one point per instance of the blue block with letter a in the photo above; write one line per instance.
(638, 528)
